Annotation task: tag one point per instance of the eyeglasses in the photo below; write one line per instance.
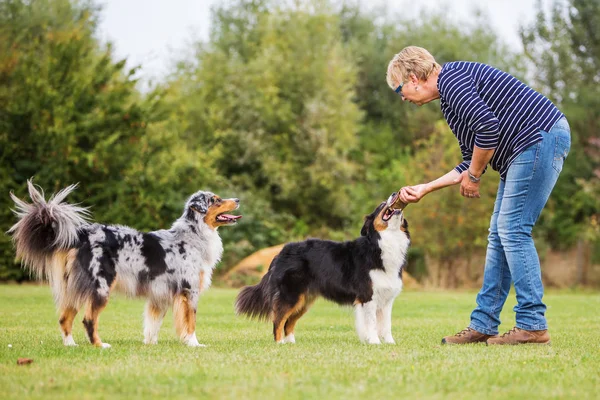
(399, 89)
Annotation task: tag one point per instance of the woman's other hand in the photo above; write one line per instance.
(468, 189)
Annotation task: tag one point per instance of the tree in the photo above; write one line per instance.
(68, 112)
(273, 95)
(565, 46)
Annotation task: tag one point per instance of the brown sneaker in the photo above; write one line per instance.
(466, 336)
(521, 336)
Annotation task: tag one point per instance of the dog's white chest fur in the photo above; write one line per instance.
(387, 283)
(374, 318)
(206, 250)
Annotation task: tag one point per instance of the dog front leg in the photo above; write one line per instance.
(385, 322)
(366, 322)
(359, 320)
(184, 308)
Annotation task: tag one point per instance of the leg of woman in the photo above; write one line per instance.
(529, 182)
(494, 290)
(496, 278)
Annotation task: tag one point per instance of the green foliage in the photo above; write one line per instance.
(277, 103)
(285, 107)
(565, 47)
(68, 112)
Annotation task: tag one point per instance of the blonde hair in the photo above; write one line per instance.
(410, 60)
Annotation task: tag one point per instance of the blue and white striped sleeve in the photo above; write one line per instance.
(461, 95)
(466, 156)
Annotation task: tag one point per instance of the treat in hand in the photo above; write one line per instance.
(395, 201)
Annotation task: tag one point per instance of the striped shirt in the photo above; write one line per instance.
(490, 109)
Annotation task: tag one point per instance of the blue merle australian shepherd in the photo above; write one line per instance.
(84, 261)
(365, 273)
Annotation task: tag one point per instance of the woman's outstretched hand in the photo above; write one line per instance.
(412, 194)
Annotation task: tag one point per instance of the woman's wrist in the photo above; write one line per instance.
(473, 177)
(429, 188)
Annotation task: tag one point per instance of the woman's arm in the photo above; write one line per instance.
(412, 194)
(481, 157)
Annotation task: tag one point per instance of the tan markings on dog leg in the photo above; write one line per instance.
(153, 318)
(179, 306)
(282, 314)
(90, 321)
(185, 316)
(300, 310)
(154, 311)
(67, 316)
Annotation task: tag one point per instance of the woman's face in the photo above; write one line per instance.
(417, 91)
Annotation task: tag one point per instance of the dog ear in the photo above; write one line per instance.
(201, 204)
(197, 204)
(367, 226)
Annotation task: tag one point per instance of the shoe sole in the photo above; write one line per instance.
(516, 344)
(450, 343)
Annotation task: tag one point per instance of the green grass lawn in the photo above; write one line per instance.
(241, 360)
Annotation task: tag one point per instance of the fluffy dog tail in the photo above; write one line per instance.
(255, 301)
(45, 228)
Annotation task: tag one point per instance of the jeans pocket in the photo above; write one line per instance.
(561, 150)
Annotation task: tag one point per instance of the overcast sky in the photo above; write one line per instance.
(152, 33)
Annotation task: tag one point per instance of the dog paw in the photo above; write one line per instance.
(69, 341)
(195, 344)
(105, 346)
(192, 341)
(150, 341)
(389, 340)
(373, 340)
(289, 339)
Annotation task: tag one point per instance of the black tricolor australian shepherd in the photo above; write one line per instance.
(366, 273)
(84, 261)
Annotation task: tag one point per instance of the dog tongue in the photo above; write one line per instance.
(229, 216)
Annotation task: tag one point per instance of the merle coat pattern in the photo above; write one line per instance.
(365, 273)
(85, 261)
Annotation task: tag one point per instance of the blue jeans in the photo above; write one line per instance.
(511, 255)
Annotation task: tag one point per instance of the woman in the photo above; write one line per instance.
(500, 121)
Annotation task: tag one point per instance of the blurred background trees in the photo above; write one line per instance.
(286, 107)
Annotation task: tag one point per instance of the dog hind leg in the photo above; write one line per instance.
(61, 266)
(281, 313)
(300, 309)
(90, 320)
(67, 316)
